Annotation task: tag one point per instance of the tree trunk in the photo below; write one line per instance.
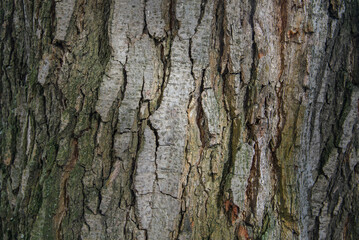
(175, 119)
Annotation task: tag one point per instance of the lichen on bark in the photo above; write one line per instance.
(173, 119)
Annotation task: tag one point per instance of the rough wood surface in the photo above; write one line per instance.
(176, 119)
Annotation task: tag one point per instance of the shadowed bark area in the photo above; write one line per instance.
(176, 119)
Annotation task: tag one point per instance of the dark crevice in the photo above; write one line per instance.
(165, 50)
(253, 181)
(132, 178)
(123, 87)
(199, 21)
(223, 70)
(166, 62)
(201, 118)
(62, 210)
(326, 58)
(155, 132)
(173, 22)
(164, 46)
(220, 27)
(276, 142)
(250, 94)
(145, 29)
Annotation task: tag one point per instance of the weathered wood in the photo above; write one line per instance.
(174, 119)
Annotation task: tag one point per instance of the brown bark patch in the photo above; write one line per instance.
(63, 198)
(231, 210)
(261, 54)
(292, 33)
(253, 180)
(243, 233)
(7, 159)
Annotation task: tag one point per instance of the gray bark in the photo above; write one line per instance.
(174, 119)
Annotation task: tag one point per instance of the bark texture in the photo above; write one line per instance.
(179, 119)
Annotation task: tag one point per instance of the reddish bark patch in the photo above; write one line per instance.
(261, 54)
(243, 233)
(192, 224)
(232, 210)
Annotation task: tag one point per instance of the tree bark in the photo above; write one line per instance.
(174, 119)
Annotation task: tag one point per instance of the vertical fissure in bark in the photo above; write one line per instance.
(223, 65)
(220, 22)
(203, 9)
(253, 72)
(124, 85)
(200, 118)
(250, 94)
(145, 29)
(63, 198)
(134, 158)
(155, 132)
(219, 41)
(166, 62)
(275, 144)
(114, 131)
(51, 137)
(253, 182)
(182, 197)
(174, 24)
(140, 141)
(166, 49)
